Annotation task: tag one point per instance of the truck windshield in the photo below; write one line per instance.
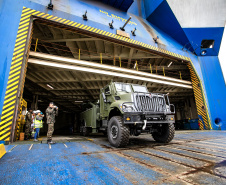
(139, 88)
(122, 87)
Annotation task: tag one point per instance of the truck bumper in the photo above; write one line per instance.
(151, 119)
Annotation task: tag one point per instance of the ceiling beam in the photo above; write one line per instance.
(175, 67)
(72, 46)
(130, 57)
(36, 80)
(83, 84)
(72, 39)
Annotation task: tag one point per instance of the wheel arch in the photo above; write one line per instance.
(114, 112)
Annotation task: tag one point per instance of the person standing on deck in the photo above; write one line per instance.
(51, 113)
(28, 124)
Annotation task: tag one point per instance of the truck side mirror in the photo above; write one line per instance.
(172, 108)
(104, 97)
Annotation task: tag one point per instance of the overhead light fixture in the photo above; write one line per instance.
(85, 16)
(133, 32)
(135, 65)
(50, 5)
(92, 67)
(123, 28)
(78, 101)
(51, 87)
(165, 80)
(111, 24)
(170, 64)
(203, 52)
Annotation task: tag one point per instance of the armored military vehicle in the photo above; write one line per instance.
(128, 109)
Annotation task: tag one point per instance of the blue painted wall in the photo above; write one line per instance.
(196, 35)
(10, 17)
(215, 88)
(99, 15)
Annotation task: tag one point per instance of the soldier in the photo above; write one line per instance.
(51, 113)
(28, 124)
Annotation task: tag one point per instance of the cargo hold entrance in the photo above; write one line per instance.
(70, 68)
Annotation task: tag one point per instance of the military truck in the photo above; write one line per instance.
(125, 109)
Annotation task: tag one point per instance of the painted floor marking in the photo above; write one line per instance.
(31, 147)
(12, 148)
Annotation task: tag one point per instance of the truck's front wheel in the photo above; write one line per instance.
(118, 134)
(165, 133)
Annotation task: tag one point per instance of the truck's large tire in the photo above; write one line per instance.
(118, 134)
(165, 134)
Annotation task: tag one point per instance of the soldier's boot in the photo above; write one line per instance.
(50, 142)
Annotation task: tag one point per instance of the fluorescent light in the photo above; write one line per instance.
(135, 65)
(103, 72)
(65, 60)
(78, 101)
(170, 64)
(51, 87)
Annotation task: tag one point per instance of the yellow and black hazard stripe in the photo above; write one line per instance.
(101, 32)
(200, 101)
(20, 122)
(14, 76)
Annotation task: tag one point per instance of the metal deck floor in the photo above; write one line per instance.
(193, 157)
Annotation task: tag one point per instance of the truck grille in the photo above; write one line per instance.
(150, 103)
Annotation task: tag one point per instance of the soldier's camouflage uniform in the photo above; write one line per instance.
(51, 113)
(28, 125)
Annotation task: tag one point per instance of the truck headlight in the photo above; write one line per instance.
(127, 108)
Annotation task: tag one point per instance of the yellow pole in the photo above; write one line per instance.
(101, 58)
(150, 68)
(163, 71)
(36, 44)
(79, 54)
(120, 63)
(136, 65)
(180, 75)
(114, 60)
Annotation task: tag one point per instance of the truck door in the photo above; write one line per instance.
(105, 102)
